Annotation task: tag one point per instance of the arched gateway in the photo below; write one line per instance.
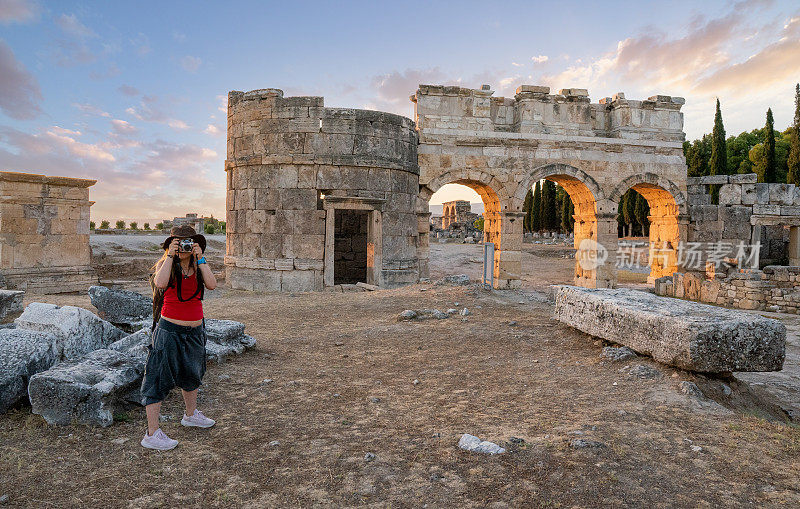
(595, 151)
(324, 197)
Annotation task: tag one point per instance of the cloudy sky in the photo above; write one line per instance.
(133, 93)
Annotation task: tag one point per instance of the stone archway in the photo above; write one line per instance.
(591, 222)
(499, 225)
(668, 219)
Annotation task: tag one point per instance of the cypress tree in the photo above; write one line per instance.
(718, 165)
(793, 163)
(642, 211)
(536, 208)
(719, 151)
(621, 217)
(770, 168)
(629, 206)
(549, 221)
(526, 209)
(566, 214)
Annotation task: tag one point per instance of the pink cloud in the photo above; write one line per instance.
(19, 91)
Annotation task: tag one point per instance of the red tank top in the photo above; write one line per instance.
(189, 310)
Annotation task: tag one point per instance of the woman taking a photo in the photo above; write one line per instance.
(177, 350)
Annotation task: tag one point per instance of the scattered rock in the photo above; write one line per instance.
(691, 389)
(275, 443)
(454, 280)
(581, 443)
(121, 307)
(375, 400)
(472, 443)
(77, 330)
(512, 323)
(516, 440)
(369, 457)
(645, 372)
(164, 418)
(696, 448)
(415, 382)
(465, 312)
(120, 441)
(89, 391)
(408, 314)
(266, 381)
(726, 390)
(423, 314)
(4, 499)
(10, 302)
(451, 311)
(618, 353)
(23, 353)
(223, 378)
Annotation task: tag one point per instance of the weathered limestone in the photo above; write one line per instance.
(295, 169)
(121, 307)
(77, 331)
(44, 233)
(748, 213)
(501, 146)
(687, 335)
(10, 302)
(87, 391)
(22, 354)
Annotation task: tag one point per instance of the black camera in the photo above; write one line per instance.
(186, 245)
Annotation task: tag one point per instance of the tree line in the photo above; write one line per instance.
(773, 155)
(548, 207)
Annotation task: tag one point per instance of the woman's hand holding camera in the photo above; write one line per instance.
(196, 251)
(173, 247)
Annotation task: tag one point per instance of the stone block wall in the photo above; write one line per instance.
(44, 233)
(775, 288)
(569, 112)
(747, 211)
(291, 163)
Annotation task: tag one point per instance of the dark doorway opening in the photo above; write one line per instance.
(350, 246)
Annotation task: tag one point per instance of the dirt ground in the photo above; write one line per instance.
(333, 378)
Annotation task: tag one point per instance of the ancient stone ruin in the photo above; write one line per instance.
(457, 212)
(44, 233)
(294, 168)
(318, 196)
(74, 366)
(687, 335)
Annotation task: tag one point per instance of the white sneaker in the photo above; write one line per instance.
(197, 419)
(158, 441)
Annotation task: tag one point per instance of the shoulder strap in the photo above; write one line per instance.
(158, 300)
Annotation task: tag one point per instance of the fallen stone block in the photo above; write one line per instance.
(23, 353)
(687, 335)
(10, 302)
(474, 444)
(88, 391)
(224, 331)
(77, 331)
(120, 306)
(133, 344)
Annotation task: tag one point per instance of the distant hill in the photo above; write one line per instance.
(436, 210)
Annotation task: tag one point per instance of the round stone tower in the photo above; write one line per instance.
(318, 197)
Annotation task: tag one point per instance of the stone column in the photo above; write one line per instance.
(423, 232)
(794, 246)
(508, 254)
(606, 272)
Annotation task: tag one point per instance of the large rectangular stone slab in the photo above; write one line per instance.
(687, 335)
(89, 391)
